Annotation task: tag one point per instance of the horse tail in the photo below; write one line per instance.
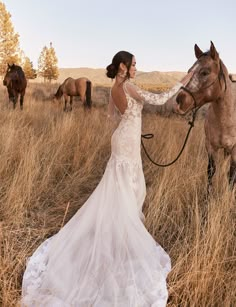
(88, 93)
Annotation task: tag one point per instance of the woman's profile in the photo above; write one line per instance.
(104, 256)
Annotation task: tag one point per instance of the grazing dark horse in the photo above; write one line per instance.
(16, 83)
(75, 87)
(210, 83)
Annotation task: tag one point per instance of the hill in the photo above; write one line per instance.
(98, 76)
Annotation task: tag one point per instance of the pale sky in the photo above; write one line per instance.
(161, 34)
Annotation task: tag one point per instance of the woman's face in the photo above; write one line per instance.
(132, 69)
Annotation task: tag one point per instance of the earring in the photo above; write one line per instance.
(122, 74)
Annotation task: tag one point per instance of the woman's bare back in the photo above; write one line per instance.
(118, 97)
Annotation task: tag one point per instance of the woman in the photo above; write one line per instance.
(104, 256)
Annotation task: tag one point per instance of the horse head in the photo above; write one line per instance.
(207, 83)
(16, 83)
(11, 75)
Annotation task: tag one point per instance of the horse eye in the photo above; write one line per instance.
(205, 73)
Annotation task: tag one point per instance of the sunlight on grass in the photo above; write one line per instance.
(51, 161)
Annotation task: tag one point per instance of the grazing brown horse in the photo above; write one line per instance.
(75, 87)
(210, 83)
(16, 83)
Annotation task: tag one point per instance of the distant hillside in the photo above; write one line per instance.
(98, 76)
(159, 78)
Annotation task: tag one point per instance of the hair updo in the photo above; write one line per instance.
(111, 71)
(124, 57)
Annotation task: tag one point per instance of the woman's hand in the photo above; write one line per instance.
(186, 78)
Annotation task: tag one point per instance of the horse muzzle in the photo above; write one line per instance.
(184, 102)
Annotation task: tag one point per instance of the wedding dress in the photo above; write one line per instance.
(104, 256)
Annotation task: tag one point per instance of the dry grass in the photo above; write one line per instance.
(51, 162)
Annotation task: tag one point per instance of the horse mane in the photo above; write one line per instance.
(206, 53)
(18, 69)
(59, 92)
(66, 80)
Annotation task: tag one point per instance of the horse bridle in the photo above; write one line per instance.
(191, 123)
(220, 74)
(218, 78)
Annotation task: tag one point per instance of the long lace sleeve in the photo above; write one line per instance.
(151, 98)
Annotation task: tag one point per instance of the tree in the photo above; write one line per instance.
(30, 72)
(47, 64)
(9, 40)
(42, 62)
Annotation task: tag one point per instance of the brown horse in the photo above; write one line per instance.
(75, 87)
(16, 83)
(210, 83)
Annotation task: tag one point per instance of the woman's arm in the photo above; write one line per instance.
(151, 98)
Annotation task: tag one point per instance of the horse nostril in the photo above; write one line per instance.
(4, 82)
(177, 100)
(180, 97)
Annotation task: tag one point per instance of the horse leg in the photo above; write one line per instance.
(211, 168)
(232, 169)
(71, 101)
(65, 99)
(14, 100)
(21, 101)
(88, 93)
(83, 100)
(10, 96)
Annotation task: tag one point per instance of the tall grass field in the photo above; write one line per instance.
(51, 161)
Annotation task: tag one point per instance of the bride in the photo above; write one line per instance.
(104, 256)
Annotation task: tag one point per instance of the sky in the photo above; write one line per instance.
(161, 34)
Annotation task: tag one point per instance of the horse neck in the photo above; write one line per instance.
(224, 106)
(59, 92)
(20, 72)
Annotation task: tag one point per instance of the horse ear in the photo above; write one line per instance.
(198, 51)
(213, 52)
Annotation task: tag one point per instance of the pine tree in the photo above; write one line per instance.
(47, 64)
(30, 72)
(9, 40)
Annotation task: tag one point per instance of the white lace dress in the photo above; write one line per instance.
(104, 256)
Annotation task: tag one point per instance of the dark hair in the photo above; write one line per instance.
(124, 57)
